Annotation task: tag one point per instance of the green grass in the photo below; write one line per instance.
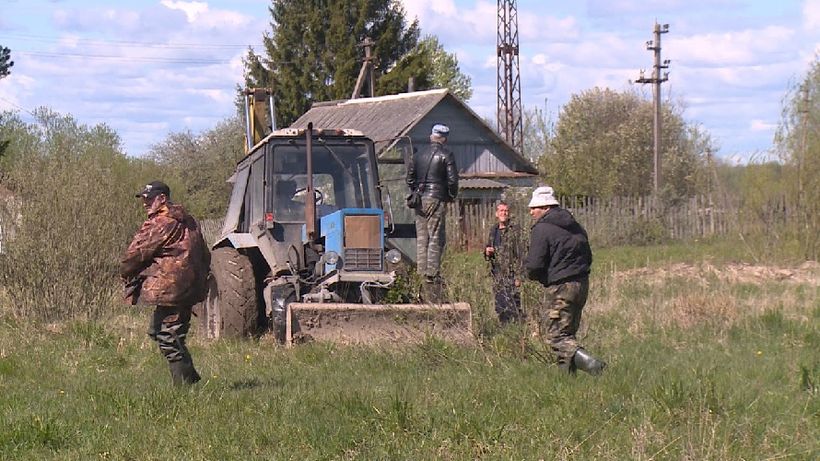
(714, 251)
(699, 369)
(680, 394)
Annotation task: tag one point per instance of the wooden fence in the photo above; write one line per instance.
(627, 219)
(613, 221)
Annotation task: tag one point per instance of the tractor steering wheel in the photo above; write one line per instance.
(320, 197)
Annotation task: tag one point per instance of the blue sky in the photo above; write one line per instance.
(148, 68)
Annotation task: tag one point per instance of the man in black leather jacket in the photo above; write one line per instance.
(434, 175)
(560, 258)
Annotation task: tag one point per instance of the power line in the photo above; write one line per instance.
(49, 39)
(156, 59)
(17, 106)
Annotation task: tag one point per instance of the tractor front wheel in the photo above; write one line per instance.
(230, 310)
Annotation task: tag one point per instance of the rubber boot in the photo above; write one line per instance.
(567, 367)
(583, 361)
(183, 372)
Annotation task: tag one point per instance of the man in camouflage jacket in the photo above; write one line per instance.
(167, 265)
(503, 253)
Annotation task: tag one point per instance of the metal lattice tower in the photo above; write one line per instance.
(509, 81)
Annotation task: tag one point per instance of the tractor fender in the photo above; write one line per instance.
(237, 240)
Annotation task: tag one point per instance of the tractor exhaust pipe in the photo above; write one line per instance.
(310, 195)
(248, 128)
(272, 107)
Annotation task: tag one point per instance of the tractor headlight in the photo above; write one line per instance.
(393, 256)
(331, 257)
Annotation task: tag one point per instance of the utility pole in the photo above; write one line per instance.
(656, 79)
(367, 70)
(509, 80)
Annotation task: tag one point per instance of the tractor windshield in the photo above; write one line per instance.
(343, 177)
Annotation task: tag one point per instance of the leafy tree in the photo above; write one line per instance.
(10, 126)
(538, 132)
(603, 147)
(313, 53)
(445, 70)
(197, 167)
(430, 66)
(798, 142)
(5, 62)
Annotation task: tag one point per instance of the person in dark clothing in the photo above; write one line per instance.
(560, 259)
(502, 251)
(167, 265)
(434, 175)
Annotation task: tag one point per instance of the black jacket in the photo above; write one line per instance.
(441, 178)
(559, 249)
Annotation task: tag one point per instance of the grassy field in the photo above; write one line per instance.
(712, 356)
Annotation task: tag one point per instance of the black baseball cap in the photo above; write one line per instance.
(154, 188)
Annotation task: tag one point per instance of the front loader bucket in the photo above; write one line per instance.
(379, 323)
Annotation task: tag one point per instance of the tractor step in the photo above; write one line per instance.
(378, 323)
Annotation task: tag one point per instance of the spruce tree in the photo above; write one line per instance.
(5, 62)
(313, 52)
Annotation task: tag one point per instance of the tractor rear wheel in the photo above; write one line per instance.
(230, 310)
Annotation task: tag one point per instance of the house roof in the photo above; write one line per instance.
(386, 119)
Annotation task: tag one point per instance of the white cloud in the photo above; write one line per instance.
(732, 48)
(478, 23)
(535, 27)
(200, 15)
(14, 91)
(192, 10)
(761, 125)
(811, 15)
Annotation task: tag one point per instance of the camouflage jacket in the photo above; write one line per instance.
(505, 264)
(169, 254)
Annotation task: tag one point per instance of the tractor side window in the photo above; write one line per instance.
(256, 186)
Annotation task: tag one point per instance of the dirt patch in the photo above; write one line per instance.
(692, 295)
(385, 325)
(806, 273)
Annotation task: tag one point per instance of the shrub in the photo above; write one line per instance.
(75, 212)
(644, 232)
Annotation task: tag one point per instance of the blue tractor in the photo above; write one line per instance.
(302, 249)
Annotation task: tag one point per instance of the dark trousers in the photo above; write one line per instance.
(559, 317)
(507, 301)
(168, 327)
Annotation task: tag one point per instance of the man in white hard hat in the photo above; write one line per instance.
(560, 258)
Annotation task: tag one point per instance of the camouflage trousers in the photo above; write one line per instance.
(430, 236)
(559, 316)
(507, 300)
(168, 327)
